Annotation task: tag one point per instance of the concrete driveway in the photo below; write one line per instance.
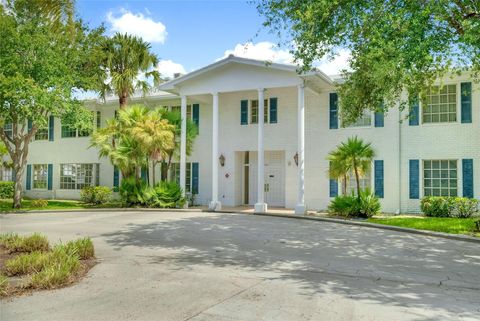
(205, 266)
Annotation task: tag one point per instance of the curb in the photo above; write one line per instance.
(106, 210)
(456, 237)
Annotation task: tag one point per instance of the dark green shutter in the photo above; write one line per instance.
(379, 173)
(273, 110)
(144, 174)
(333, 110)
(244, 112)
(333, 187)
(414, 179)
(51, 128)
(29, 125)
(194, 178)
(196, 114)
(50, 177)
(28, 185)
(414, 117)
(116, 178)
(466, 98)
(467, 173)
(379, 119)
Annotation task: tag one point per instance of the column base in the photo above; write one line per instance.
(215, 206)
(261, 208)
(300, 209)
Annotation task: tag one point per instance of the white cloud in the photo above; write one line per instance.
(261, 51)
(168, 68)
(139, 25)
(336, 65)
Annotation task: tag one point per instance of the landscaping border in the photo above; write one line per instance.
(456, 237)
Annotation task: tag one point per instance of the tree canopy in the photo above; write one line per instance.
(395, 46)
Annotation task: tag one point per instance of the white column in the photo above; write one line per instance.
(300, 208)
(215, 205)
(261, 206)
(183, 143)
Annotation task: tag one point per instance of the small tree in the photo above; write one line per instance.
(124, 59)
(339, 169)
(354, 154)
(43, 59)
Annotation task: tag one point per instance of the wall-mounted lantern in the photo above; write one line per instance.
(295, 158)
(221, 159)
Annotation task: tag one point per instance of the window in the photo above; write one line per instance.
(40, 173)
(77, 176)
(254, 111)
(178, 109)
(363, 121)
(42, 134)
(365, 182)
(440, 105)
(68, 132)
(175, 175)
(8, 129)
(6, 174)
(440, 177)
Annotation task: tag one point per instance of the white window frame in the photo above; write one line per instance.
(189, 110)
(353, 125)
(43, 179)
(458, 180)
(95, 177)
(351, 183)
(174, 175)
(457, 105)
(6, 174)
(266, 111)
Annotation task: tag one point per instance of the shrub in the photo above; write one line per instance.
(96, 194)
(39, 203)
(3, 285)
(10, 241)
(27, 263)
(167, 195)
(64, 262)
(366, 205)
(133, 192)
(438, 206)
(7, 189)
(163, 195)
(14, 243)
(82, 247)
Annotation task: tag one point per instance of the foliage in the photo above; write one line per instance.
(83, 247)
(40, 203)
(6, 189)
(137, 135)
(125, 58)
(163, 195)
(42, 61)
(394, 45)
(96, 194)
(353, 155)
(3, 285)
(366, 205)
(14, 243)
(437, 224)
(439, 206)
(6, 205)
(27, 263)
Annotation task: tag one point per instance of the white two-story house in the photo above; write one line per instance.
(265, 132)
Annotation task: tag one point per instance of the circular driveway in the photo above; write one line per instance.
(207, 266)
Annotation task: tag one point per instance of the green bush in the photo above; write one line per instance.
(163, 195)
(366, 205)
(27, 263)
(7, 189)
(14, 243)
(96, 194)
(3, 285)
(39, 203)
(439, 206)
(82, 247)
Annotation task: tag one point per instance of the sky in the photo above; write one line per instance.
(188, 35)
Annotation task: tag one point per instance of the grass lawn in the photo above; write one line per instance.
(437, 224)
(6, 205)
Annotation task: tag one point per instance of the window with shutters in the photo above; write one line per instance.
(365, 120)
(40, 175)
(71, 132)
(365, 182)
(440, 105)
(178, 109)
(440, 178)
(175, 175)
(78, 176)
(8, 129)
(42, 133)
(254, 111)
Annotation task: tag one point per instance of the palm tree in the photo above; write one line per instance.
(126, 59)
(156, 134)
(175, 118)
(338, 169)
(354, 154)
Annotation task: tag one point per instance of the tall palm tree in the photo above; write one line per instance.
(338, 169)
(128, 64)
(356, 155)
(175, 118)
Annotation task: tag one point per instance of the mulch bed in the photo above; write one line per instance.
(18, 284)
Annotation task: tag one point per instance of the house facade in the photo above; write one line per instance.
(436, 151)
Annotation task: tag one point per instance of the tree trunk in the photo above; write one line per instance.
(17, 195)
(344, 187)
(357, 179)
(153, 172)
(122, 99)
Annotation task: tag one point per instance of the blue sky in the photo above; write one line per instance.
(187, 35)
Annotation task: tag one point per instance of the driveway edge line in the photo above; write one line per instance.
(456, 237)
